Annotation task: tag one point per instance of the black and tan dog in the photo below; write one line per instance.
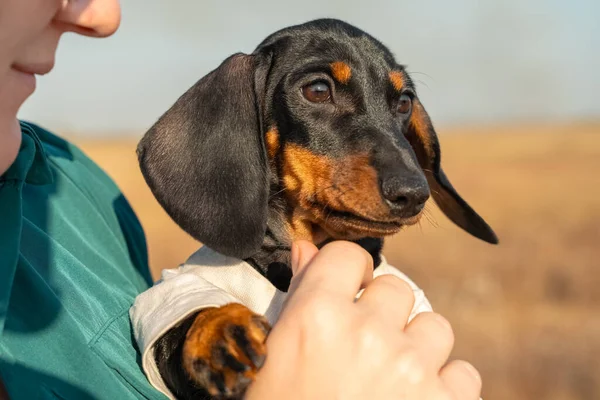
(317, 135)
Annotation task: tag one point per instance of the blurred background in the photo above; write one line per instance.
(512, 87)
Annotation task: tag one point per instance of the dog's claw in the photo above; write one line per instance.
(224, 349)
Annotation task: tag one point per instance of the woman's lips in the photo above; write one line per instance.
(34, 68)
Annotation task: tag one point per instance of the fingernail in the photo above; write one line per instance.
(472, 371)
(443, 322)
(295, 257)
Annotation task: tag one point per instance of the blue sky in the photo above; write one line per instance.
(475, 61)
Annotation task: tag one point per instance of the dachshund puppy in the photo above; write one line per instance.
(318, 135)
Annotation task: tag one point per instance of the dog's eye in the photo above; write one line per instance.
(405, 104)
(317, 92)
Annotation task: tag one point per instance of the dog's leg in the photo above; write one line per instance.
(214, 354)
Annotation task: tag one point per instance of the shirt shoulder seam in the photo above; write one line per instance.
(92, 342)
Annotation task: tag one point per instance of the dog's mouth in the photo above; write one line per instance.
(351, 226)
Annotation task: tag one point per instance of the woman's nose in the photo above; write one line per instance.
(98, 18)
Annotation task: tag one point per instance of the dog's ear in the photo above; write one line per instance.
(423, 139)
(205, 158)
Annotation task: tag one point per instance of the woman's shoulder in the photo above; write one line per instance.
(70, 166)
(60, 151)
(81, 199)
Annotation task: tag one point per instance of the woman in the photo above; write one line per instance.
(73, 259)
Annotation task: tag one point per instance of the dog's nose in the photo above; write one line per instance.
(406, 197)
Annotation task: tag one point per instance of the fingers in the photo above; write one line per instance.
(339, 267)
(462, 380)
(432, 335)
(390, 297)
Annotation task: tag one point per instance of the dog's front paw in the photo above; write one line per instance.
(224, 348)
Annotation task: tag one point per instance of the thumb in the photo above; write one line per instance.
(303, 252)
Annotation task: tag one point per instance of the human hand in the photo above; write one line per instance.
(326, 345)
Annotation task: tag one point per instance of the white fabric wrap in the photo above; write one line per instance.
(210, 279)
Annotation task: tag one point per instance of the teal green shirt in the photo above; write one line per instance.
(72, 260)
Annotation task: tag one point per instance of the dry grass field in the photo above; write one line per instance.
(526, 312)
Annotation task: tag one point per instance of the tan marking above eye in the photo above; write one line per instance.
(397, 80)
(341, 71)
